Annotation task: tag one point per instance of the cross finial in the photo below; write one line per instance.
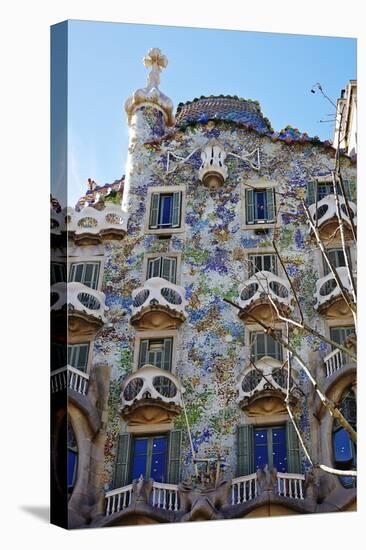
(157, 61)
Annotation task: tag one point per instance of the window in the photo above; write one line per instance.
(164, 267)
(262, 262)
(58, 272)
(344, 448)
(72, 458)
(323, 189)
(157, 352)
(340, 334)
(157, 457)
(260, 206)
(336, 257)
(165, 210)
(275, 446)
(262, 344)
(77, 356)
(85, 273)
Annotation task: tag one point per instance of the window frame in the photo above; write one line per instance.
(254, 358)
(155, 335)
(149, 454)
(269, 444)
(73, 265)
(251, 268)
(348, 482)
(161, 257)
(88, 352)
(148, 351)
(164, 190)
(337, 249)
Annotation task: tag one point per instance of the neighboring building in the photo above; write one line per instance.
(346, 120)
(175, 397)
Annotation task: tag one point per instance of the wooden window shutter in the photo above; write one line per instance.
(167, 364)
(143, 352)
(121, 469)
(245, 451)
(310, 192)
(249, 204)
(154, 267)
(154, 211)
(176, 209)
(293, 449)
(168, 269)
(270, 194)
(175, 443)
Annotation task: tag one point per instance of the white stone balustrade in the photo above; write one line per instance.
(213, 171)
(70, 377)
(158, 291)
(118, 499)
(243, 489)
(95, 222)
(291, 485)
(269, 372)
(150, 382)
(327, 288)
(262, 284)
(79, 297)
(165, 496)
(326, 210)
(335, 361)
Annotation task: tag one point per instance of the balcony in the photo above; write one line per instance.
(163, 496)
(261, 390)
(254, 297)
(69, 377)
(328, 297)
(85, 306)
(324, 215)
(336, 361)
(150, 396)
(92, 226)
(158, 304)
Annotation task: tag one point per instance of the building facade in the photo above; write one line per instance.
(183, 400)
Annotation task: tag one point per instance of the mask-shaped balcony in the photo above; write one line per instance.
(151, 396)
(92, 226)
(213, 171)
(254, 300)
(85, 306)
(328, 297)
(261, 390)
(324, 216)
(158, 304)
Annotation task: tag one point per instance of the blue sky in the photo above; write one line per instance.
(278, 70)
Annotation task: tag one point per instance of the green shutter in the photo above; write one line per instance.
(176, 209)
(154, 210)
(121, 469)
(293, 449)
(167, 365)
(249, 203)
(168, 269)
(143, 352)
(175, 443)
(310, 194)
(270, 205)
(245, 451)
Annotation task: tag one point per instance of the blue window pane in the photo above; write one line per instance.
(71, 467)
(342, 446)
(261, 205)
(260, 436)
(158, 467)
(279, 449)
(139, 466)
(140, 446)
(159, 444)
(279, 436)
(166, 210)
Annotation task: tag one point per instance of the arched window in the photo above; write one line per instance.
(72, 458)
(344, 448)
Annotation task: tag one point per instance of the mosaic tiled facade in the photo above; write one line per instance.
(216, 391)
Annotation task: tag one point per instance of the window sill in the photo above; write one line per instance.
(269, 225)
(168, 231)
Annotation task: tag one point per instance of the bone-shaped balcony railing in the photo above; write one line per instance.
(80, 298)
(150, 382)
(91, 221)
(326, 209)
(327, 288)
(158, 291)
(268, 374)
(262, 284)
